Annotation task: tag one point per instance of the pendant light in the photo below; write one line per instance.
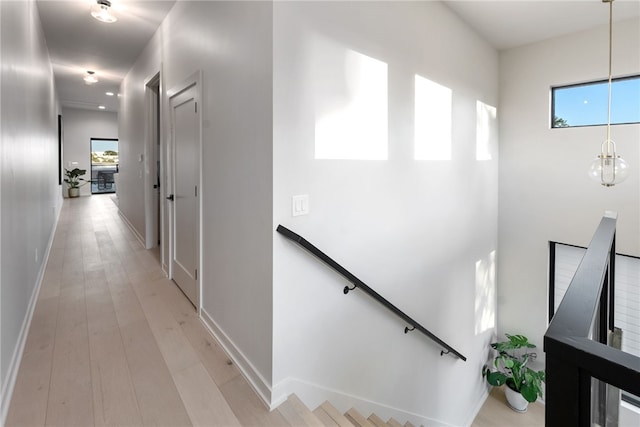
(90, 78)
(101, 12)
(608, 168)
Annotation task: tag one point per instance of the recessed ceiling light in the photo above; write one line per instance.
(109, 93)
(90, 78)
(102, 107)
(101, 12)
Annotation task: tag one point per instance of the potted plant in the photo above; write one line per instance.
(524, 384)
(74, 181)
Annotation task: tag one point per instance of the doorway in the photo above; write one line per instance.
(184, 200)
(153, 168)
(104, 164)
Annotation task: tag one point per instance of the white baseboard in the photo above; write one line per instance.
(261, 386)
(14, 365)
(135, 232)
(314, 395)
(474, 413)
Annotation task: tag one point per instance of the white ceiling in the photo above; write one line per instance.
(78, 43)
(510, 23)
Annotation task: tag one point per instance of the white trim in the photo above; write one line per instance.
(313, 395)
(260, 385)
(135, 232)
(476, 410)
(152, 133)
(16, 359)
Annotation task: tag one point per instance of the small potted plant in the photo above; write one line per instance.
(524, 384)
(74, 181)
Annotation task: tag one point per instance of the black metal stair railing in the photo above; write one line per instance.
(357, 283)
(576, 341)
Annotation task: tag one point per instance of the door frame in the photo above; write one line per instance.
(194, 80)
(153, 133)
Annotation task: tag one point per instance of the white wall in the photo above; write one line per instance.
(30, 198)
(421, 233)
(79, 127)
(545, 193)
(230, 42)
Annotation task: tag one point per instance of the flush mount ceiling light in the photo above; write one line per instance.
(608, 168)
(90, 78)
(101, 12)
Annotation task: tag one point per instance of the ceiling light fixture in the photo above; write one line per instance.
(90, 78)
(109, 93)
(608, 168)
(101, 12)
(102, 107)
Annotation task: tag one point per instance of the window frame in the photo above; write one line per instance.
(589, 83)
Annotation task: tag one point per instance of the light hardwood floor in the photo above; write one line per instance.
(113, 342)
(495, 412)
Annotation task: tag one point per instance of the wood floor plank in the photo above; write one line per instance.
(496, 412)
(248, 407)
(31, 392)
(70, 401)
(205, 403)
(114, 398)
(173, 343)
(158, 398)
(113, 394)
(212, 356)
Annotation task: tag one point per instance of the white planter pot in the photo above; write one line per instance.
(74, 192)
(515, 400)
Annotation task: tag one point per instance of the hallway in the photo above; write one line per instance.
(113, 342)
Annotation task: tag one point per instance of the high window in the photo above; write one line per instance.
(586, 104)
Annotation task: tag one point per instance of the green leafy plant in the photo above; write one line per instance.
(512, 370)
(74, 177)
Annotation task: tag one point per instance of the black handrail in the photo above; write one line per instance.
(573, 356)
(357, 283)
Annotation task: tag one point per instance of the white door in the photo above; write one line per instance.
(185, 120)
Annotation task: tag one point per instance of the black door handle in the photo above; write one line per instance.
(170, 197)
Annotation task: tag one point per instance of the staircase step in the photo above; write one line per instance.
(357, 419)
(324, 418)
(393, 423)
(336, 415)
(297, 414)
(377, 421)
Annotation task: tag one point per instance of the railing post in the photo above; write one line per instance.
(568, 394)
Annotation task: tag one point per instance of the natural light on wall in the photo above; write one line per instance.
(351, 105)
(486, 293)
(485, 130)
(432, 129)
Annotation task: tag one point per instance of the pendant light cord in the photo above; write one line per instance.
(610, 56)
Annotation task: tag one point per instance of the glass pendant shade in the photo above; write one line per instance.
(90, 78)
(101, 12)
(608, 169)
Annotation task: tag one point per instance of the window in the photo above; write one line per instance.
(586, 104)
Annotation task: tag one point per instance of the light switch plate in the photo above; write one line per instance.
(300, 205)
